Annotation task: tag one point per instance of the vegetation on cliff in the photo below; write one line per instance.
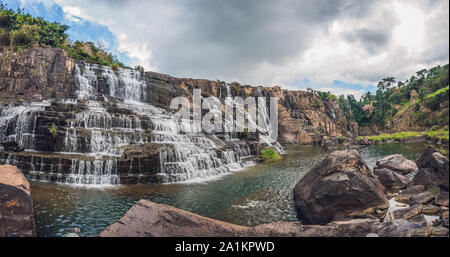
(19, 31)
(423, 98)
(440, 135)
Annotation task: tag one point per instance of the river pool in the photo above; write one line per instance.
(259, 194)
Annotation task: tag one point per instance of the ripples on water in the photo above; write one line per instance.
(257, 195)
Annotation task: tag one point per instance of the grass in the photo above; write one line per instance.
(269, 154)
(442, 135)
(406, 105)
(437, 92)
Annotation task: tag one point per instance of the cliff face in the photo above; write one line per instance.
(303, 117)
(46, 73)
(36, 74)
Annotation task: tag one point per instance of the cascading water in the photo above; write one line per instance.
(93, 138)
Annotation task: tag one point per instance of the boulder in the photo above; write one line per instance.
(364, 141)
(422, 198)
(442, 199)
(406, 213)
(439, 231)
(431, 209)
(391, 179)
(148, 219)
(405, 195)
(16, 208)
(433, 169)
(328, 145)
(341, 186)
(397, 163)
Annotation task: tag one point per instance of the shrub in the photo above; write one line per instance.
(269, 154)
(4, 38)
(115, 67)
(19, 38)
(31, 32)
(4, 20)
(53, 131)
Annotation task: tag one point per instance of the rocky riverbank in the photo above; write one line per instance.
(340, 196)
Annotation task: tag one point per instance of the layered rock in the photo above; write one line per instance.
(341, 186)
(390, 179)
(36, 74)
(433, 169)
(397, 163)
(16, 208)
(148, 219)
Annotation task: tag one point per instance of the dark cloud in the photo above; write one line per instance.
(223, 38)
(277, 42)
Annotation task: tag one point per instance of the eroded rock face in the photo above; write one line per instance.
(150, 219)
(16, 208)
(433, 169)
(397, 163)
(36, 74)
(341, 186)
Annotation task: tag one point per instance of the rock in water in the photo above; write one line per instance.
(391, 179)
(341, 186)
(405, 195)
(16, 208)
(422, 198)
(442, 199)
(397, 163)
(433, 169)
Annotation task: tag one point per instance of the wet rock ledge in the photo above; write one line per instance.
(16, 208)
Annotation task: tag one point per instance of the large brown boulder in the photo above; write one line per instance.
(148, 219)
(397, 163)
(391, 179)
(433, 169)
(341, 186)
(16, 208)
(405, 195)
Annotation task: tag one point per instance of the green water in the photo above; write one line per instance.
(257, 195)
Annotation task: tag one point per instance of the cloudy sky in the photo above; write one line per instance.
(339, 46)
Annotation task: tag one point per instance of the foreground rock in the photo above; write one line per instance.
(341, 186)
(16, 208)
(148, 219)
(442, 199)
(433, 169)
(397, 163)
(405, 195)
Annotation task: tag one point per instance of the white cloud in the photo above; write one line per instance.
(258, 42)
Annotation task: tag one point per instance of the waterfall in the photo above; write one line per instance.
(108, 114)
